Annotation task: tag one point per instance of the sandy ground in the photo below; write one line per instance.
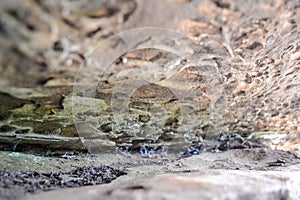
(136, 167)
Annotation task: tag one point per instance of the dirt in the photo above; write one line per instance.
(34, 182)
(30, 174)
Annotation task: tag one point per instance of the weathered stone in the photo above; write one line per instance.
(215, 184)
(239, 72)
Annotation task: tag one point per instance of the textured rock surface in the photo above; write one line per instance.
(250, 50)
(139, 168)
(235, 71)
(218, 184)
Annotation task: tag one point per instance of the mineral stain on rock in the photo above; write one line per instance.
(231, 97)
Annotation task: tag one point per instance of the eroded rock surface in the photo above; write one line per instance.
(248, 170)
(228, 70)
(241, 66)
(218, 184)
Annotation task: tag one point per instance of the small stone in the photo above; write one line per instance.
(295, 56)
(196, 30)
(242, 87)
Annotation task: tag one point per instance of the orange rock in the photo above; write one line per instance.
(208, 8)
(295, 56)
(180, 1)
(196, 30)
(291, 145)
(242, 87)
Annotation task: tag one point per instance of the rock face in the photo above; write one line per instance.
(219, 184)
(238, 72)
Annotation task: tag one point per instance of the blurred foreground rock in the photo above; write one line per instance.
(216, 184)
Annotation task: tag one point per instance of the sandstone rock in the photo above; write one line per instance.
(216, 184)
(244, 74)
